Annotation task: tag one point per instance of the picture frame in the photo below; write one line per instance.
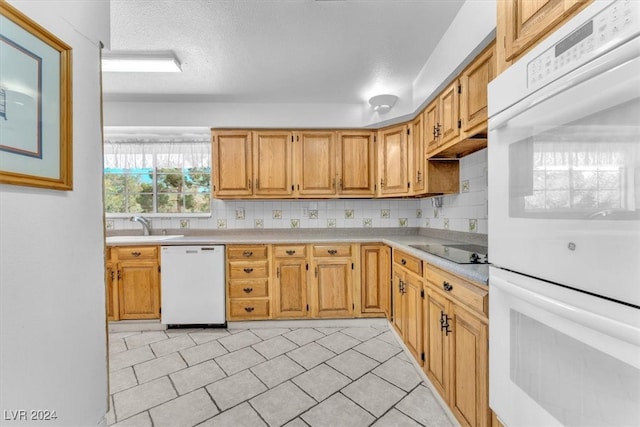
(36, 106)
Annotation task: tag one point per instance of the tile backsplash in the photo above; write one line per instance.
(466, 211)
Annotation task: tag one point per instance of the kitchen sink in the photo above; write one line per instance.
(142, 239)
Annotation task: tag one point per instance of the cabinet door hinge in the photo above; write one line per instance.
(422, 294)
(459, 124)
(409, 184)
(307, 267)
(307, 307)
(159, 269)
(408, 131)
(160, 310)
(352, 267)
(422, 356)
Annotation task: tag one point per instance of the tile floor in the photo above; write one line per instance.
(308, 376)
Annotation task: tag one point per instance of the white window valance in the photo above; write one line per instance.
(147, 150)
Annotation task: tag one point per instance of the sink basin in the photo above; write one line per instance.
(142, 239)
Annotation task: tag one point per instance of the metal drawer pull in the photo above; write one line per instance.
(248, 290)
(136, 253)
(247, 253)
(403, 261)
(249, 309)
(332, 251)
(446, 286)
(248, 270)
(290, 252)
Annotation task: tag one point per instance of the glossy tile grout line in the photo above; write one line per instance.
(285, 373)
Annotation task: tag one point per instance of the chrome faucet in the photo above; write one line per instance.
(146, 224)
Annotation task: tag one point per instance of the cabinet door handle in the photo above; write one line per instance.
(248, 270)
(403, 261)
(290, 252)
(136, 253)
(332, 251)
(419, 177)
(119, 275)
(444, 323)
(249, 309)
(446, 286)
(247, 253)
(248, 290)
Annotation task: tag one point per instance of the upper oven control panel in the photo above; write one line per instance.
(618, 22)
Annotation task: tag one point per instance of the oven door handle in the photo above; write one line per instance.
(591, 320)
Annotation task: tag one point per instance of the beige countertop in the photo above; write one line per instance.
(397, 238)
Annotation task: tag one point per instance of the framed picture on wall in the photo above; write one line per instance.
(35, 104)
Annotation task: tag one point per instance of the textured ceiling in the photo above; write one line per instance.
(276, 51)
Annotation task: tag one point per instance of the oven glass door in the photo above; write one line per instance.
(564, 183)
(559, 357)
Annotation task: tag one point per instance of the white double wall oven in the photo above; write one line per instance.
(564, 226)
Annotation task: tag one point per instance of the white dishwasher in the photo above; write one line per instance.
(193, 285)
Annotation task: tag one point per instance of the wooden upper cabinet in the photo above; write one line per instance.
(272, 154)
(356, 163)
(316, 164)
(417, 156)
(449, 113)
(474, 82)
(393, 162)
(523, 23)
(232, 171)
(431, 124)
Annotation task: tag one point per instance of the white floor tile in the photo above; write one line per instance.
(185, 411)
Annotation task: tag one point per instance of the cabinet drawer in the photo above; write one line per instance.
(248, 270)
(290, 251)
(249, 308)
(470, 295)
(409, 262)
(248, 288)
(331, 251)
(248, 252)
(138, 252)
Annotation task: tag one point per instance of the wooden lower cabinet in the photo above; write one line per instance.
(248, 284)
(375, 295)
(133, 283)
(407, 305)
(332, 283)
(290, 284)
(456, 345)
(111, 273)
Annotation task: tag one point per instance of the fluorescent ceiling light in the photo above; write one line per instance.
(140, 62)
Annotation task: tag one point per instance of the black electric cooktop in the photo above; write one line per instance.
(459, 253)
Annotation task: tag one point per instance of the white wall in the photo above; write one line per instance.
(470, 31)
(52, 294)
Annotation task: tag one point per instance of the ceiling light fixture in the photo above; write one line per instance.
(383, 103)
(140, 62)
